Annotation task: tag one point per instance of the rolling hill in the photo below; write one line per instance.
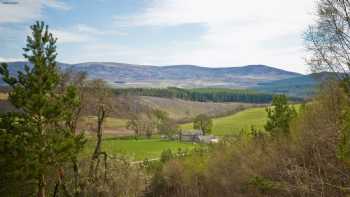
(233, 124)
(303, 86)
(239, 122)
(187, 76)
(182, 110)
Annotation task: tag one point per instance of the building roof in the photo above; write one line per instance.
(192, 132)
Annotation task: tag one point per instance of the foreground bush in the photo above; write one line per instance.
(311, 161)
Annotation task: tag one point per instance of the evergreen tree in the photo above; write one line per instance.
(37, 138)
(279, 116)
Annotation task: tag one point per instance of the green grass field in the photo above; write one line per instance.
(229, 125)
(137, 149)
(152, 148)
(235, 123)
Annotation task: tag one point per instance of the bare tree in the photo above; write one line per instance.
(100, 102)
(142, 124)
(328, 40)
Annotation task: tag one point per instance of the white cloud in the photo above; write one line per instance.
(177, 12)
(82, 33)
(57, 4)
(238, 32)
(4, 59)
(69, 36)
(25, 10)
(82, 28)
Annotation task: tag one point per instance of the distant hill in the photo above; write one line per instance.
(187, 76)
(300, 86)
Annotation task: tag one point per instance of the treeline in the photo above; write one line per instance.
(309, 148)
(203, 94)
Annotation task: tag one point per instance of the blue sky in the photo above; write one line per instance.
(214, 33)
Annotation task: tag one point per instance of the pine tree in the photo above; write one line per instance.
(40, 130)
(279, 116)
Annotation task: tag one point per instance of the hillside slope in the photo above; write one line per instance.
(130, 75)
(184, 110)
(236, 123)
(179, 110)
(303, 86)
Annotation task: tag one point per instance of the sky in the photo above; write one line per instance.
(213, 33)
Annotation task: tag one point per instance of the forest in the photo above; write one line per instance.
(204, 94)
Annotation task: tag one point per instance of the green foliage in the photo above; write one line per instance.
(203, 123)
(139, 149)
(264, 185)
(183, 169)
(279, 116)
(160, 115)
(203, 94)
(169, 128)
(256, 133)
(343, 151)
(165, 125)
(166, 155)
(233, 124)
(37, 139)
(15, 144)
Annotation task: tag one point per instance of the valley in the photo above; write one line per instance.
(233, 110)
(185, 98)
(120, 141)
(229, 119)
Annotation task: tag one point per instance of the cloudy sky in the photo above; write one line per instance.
(215, 33)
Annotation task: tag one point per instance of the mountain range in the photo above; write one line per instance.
(261, 78)
(185, 76)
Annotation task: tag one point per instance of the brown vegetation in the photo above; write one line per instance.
(306, 163)
(184, 111)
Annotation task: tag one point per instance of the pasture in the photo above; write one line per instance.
(241, 121)
(235, 123)
(137, 149)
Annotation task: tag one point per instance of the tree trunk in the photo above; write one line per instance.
(100, 119)
(76, 178)
(41, 186)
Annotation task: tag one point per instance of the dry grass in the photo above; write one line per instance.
(180, 110)
(115, 126)
(313, 161)
(3, 96)
(111, 123)
(185, 110)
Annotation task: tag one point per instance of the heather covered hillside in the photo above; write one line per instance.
(188, 76)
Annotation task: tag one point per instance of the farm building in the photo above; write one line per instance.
(190, 136)
(197, 136)
(208, 139)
